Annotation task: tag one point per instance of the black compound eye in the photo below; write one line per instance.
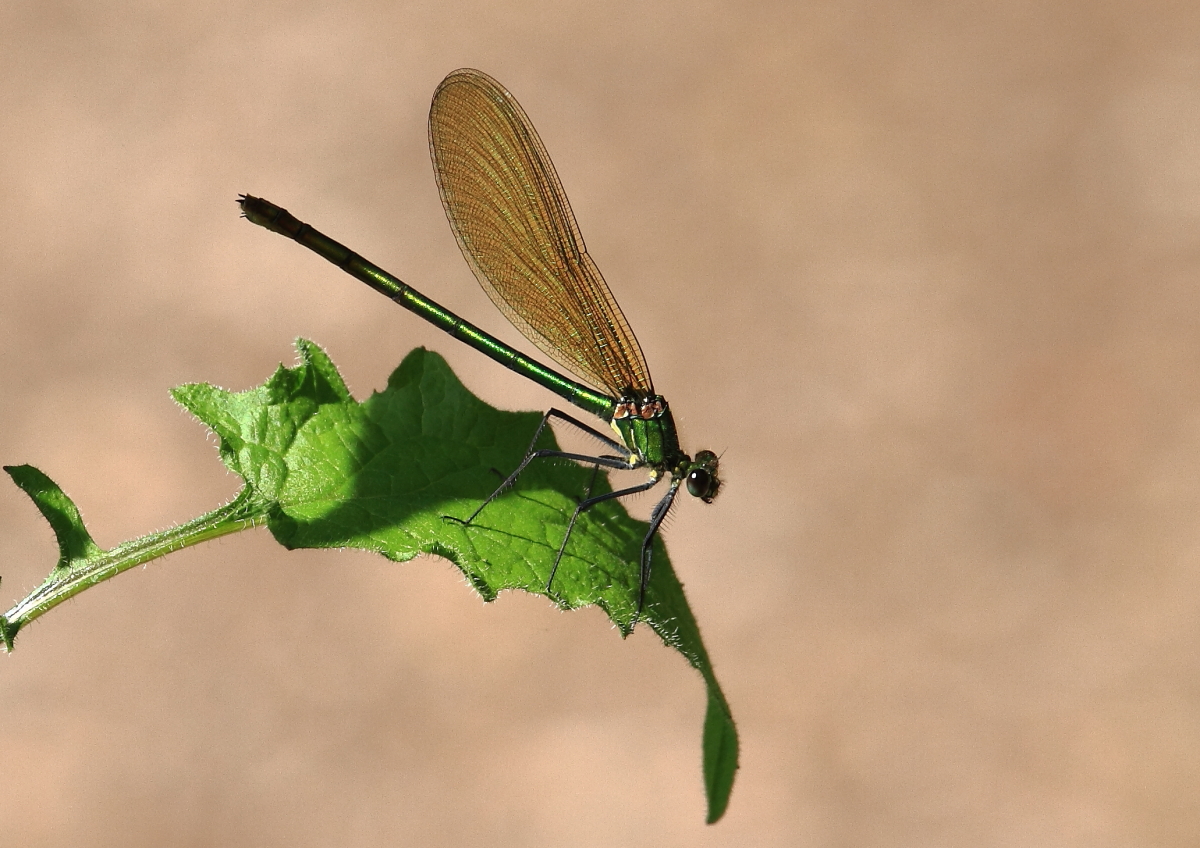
(699, 483)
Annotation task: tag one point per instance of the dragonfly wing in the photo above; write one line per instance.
(514, 224)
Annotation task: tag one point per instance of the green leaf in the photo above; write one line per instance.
(324, 470)
(74, 541)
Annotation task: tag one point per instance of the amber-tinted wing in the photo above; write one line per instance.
(515, 227)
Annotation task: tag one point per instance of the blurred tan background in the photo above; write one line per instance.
(928, 274)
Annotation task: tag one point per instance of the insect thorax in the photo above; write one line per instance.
(647, 428)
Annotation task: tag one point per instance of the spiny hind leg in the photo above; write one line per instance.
(623, 461)
(585, 505)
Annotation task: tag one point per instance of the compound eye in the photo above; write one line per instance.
(699, 483)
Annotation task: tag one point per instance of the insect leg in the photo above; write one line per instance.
(622, 462)
(656, 519)
(588, 504)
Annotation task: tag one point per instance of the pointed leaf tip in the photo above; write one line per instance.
(720, 755)
(74, 541)
(322, 376)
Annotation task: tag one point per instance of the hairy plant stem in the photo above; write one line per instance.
(66, 581)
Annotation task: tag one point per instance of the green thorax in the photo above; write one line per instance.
(648, 429)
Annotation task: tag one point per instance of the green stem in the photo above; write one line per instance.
(64, 582)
